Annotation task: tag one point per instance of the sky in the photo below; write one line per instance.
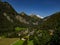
(39, 7)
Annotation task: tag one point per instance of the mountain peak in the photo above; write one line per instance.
(39, 16)
(22, 13)
(33, 15)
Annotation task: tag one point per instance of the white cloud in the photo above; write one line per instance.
(39, 16)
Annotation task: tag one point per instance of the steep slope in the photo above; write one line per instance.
(8, 20)
(51, 22)
(30, 19)
(5, 23)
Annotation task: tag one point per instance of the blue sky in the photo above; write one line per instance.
(39, 7)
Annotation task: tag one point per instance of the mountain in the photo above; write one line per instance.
(29, 19)
(9, 18)
(5, 21)
(51, 22)
(40, 16)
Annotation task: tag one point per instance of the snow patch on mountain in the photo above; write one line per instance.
(39, 16)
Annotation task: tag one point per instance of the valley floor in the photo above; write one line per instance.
(7, 41)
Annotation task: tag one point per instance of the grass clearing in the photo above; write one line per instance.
(19, 29)
(30, 42)
(7, 41)
(20, 42)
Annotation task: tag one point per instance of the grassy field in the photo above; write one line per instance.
(7, 41)
(30, 42)
(20, 42)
